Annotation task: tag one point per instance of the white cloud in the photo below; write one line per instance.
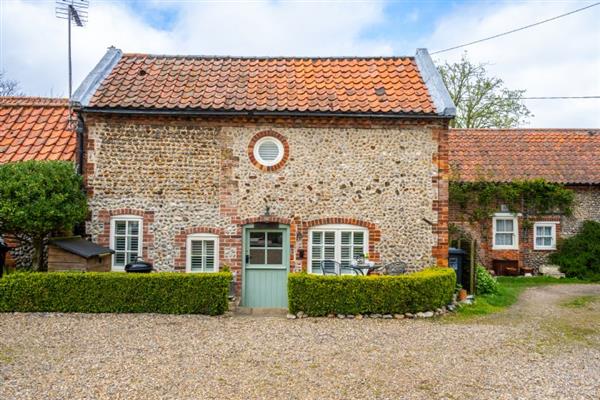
(560, 58)
(35, 53)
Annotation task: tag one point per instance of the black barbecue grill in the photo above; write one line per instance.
(139, 266)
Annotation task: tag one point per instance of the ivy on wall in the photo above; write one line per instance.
(478, 201)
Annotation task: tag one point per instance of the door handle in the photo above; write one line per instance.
(247, 258)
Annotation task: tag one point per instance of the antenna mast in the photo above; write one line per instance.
(76, 11)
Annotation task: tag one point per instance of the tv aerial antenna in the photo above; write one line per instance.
(73, 11)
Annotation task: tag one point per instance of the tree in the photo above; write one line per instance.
(9, 87)
(482, 101)
(39, 198)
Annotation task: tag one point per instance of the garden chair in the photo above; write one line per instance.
(332, 267)
(395, 268)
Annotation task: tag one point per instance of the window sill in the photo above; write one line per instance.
(505, 248)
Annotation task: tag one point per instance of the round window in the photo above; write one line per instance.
(268, 151)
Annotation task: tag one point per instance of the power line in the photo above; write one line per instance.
(516, 30)
(559, 97)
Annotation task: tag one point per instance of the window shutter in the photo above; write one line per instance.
(196, 255)
(268, 151)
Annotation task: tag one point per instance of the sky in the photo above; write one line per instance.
(560, 58)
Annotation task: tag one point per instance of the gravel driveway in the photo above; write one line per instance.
(537, 350)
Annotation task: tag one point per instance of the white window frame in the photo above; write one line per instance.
(113, 220)
(550, 224)
(338, 229)
(506, 216)
(279, 145)
(188, 251)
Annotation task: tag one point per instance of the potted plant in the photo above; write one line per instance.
(462, 293)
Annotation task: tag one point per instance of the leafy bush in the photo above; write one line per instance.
(318, 295)
(486, 283)
(579, 255)
(115, 292)
(38, 198)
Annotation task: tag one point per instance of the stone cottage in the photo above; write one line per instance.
(266, 165)
(566, 156)
(34, 128)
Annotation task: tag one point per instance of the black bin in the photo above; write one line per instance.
(457, 260)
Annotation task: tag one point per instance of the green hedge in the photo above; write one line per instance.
(114, 292)
(318, 295)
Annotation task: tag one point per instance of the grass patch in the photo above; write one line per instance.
(509, 290)
(581, 302)
(6, 355)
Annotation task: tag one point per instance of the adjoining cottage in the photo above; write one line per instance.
(266, 165)
(34, 128)
(566, 156)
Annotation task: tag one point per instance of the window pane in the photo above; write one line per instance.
(359, 239)
(275, 239)
(317, 252)
(196, 249)
(358, 252)
(120, 227)
(257, 256)
(268, 150)
(345, 252)
(504, 239)
(316, 266)
(500, 225)
(132, 257)
(547, 241)
(120, 259)
(346, 238)
(132, 243)
(330, 238)
(317, 237)
(547, 231)
(120, 243)
(539, 230)
(209, 247)
(196, 263)
(257, 239)
(133, 227)
(274, 256)
(329, 252)
(508, 225)
(539, 241)
(210, 264)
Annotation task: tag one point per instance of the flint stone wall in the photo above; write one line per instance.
(196, 173)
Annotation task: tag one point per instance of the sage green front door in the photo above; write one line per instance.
(266, 266)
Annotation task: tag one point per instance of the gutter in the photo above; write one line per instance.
(182, 112)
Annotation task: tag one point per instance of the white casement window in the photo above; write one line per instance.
(506, 234)
(125, 240)
(202, 253)
(544, 236)
(341, 243)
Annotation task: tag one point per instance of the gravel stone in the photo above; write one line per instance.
(519, 354)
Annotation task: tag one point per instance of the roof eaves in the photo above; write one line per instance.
(257, 113)
(433, 80)
(90, 84)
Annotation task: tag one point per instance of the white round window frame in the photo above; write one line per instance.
(279, 145)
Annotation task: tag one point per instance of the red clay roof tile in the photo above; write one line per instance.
(35, 128)
(325, 85)
(501, 155)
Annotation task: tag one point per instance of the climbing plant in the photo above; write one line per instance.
(477, 201)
